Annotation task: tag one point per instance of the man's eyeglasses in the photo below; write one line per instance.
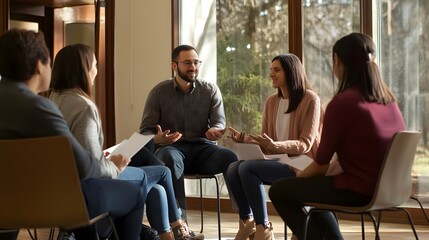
(196, 63)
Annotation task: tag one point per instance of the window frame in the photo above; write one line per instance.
(368, 26)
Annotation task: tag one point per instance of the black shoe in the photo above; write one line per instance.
(148, 233)
(66, 236)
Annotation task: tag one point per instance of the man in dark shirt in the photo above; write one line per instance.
(187, 116)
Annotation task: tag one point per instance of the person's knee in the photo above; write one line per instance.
(156, 193)
(165, 171)
(226, 157)
(245, 168)
(170, 157)
(229, 156)
(274, 191)
(232, 171)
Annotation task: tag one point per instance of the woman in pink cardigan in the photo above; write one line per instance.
(291, 124)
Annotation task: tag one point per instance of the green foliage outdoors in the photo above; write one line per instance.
(421, 162)
(243, 87)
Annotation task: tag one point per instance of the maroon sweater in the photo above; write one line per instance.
(360, 133)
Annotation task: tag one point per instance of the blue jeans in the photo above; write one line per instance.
(246, 180)
(156, 182)
(161, 206)
(192, 158)
(136, 176)
(124, 202)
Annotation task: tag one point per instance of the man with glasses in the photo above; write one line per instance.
(187, 116)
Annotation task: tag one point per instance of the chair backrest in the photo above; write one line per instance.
(39, 184)
(394, 184)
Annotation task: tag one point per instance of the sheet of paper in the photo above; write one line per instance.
(299, 162)
(283, 157)
(248, 151)
(129, 147)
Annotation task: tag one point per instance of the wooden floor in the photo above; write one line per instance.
(229, 223)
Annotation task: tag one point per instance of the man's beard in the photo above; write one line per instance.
(186, 77)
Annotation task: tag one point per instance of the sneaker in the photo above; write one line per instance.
(182, 232)
(148, 233)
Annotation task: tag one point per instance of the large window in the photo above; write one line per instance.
(324, 22)
(403, 40)
(246, 35)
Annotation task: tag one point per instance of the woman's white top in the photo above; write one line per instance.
(282, 120)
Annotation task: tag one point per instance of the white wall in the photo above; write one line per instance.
(142, 57)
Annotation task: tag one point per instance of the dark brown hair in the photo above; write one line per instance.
(71, 69)
(20, 50)
(296, 79)
(176, 52)
(356, 52)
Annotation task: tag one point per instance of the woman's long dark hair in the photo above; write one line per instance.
(296, 79)
(356, 52)
(71, 69)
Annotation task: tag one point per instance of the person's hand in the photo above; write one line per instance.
(120, 161)
(214, 134)
(236, 136)
(240, 137)
(106, 154)
(165, 137)
(263, 140)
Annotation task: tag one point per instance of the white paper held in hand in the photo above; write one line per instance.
(129, 147)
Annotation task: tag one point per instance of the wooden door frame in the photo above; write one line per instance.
(4, 19)
(105, 92)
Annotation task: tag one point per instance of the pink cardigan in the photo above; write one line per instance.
(305, 126)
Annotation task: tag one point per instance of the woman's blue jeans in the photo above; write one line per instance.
(161, 206)
(246, 180)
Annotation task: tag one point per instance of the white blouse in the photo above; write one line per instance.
(282, 120)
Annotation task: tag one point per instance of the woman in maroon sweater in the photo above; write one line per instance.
(359, 123)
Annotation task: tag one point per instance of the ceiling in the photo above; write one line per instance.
(55, 3)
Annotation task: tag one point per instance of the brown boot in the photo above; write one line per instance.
(246, 230)
(166, 236)
(264, 232)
